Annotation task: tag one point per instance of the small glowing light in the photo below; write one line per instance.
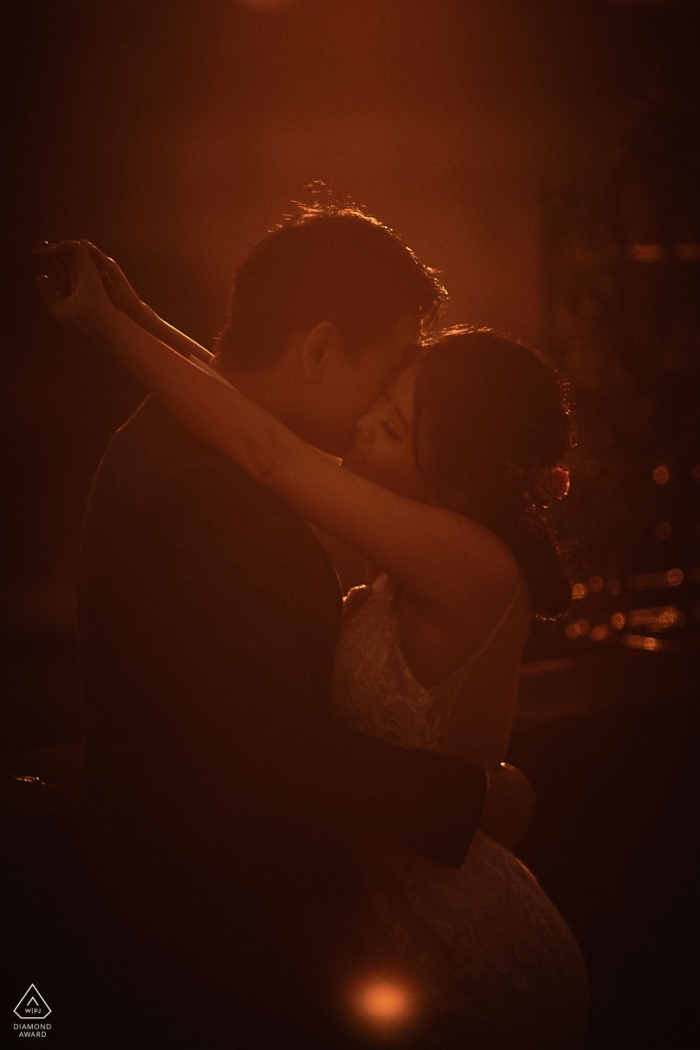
(578, 629)
(600, 632)
(660, 475)
(657, 618)
(617, 620)
(650, 581)
(614, 586)
(578, 591)
(640, 641)
(595, 584)
(663, 529)
(385, 1003)
(26, 779)
(671, 618)
(647, 252)
(687, 252)
(695, 473)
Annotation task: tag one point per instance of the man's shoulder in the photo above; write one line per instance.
(163, 506)
(155, 477)
(152, 453)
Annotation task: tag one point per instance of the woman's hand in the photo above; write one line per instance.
(117, 287)
(355, 599)
(87, 306)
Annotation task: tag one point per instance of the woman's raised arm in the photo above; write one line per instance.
(439, 556)
(122, 295)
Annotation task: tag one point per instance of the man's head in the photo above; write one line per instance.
(322, 310)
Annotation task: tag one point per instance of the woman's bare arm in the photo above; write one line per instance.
(123, 296)
(440, 557)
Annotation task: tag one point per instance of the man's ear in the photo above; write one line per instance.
(322, 349)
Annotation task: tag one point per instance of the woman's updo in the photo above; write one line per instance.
(490, 424)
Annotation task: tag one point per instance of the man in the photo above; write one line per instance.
(218, 784)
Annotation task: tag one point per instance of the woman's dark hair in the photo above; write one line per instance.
(496, 421)
(325, 263)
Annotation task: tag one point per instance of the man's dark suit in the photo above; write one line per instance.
(217, 781)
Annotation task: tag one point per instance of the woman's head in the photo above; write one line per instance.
(476, 425)
(488, 419)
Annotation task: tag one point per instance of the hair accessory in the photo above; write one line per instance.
(540, 487)
(550, 484)
(559, 482)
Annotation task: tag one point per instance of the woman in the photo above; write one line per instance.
(438, 494)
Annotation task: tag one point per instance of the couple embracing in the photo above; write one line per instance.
(296, 802)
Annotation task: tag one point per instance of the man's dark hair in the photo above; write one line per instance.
(324, 263)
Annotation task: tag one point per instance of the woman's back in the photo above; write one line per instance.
(482, 945)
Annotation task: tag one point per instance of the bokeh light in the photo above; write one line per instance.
(647, 252)
(657, 618)
(578, 629)
(641, 641)
(650, 581)
(385, 1004)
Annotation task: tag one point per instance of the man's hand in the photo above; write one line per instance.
(510, 806)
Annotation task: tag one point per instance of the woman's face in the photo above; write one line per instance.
(383, 449)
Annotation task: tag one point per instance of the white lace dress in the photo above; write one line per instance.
(483, 943)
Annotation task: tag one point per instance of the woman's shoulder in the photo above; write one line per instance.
(476, 566)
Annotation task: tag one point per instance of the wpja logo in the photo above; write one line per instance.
(32, 1009)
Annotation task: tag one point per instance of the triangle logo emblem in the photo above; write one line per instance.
(32, 1006)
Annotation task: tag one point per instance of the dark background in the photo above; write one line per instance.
(526, 148)
(173, 134)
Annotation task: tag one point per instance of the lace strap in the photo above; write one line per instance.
(445, 693)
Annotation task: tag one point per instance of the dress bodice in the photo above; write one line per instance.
(373, 687)
(375, 690)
